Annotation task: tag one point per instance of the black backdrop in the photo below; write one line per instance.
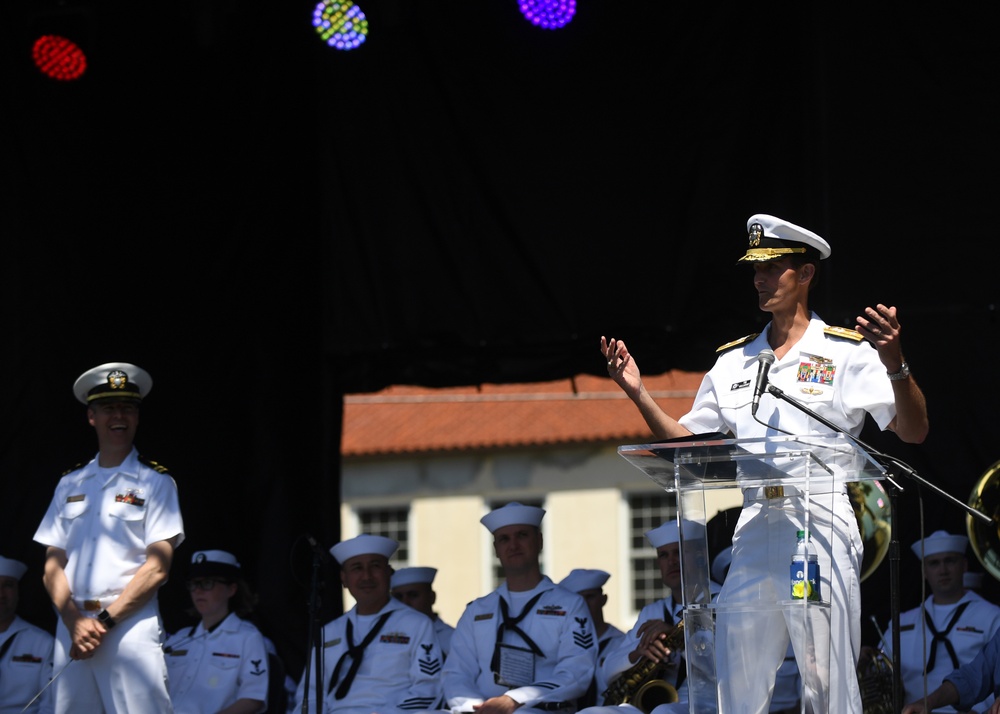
(266, 224)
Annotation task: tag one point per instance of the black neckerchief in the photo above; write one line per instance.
(511, 623)
(355, 652)
(7, 644)
(942, 637)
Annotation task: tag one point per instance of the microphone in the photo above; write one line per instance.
(766, 359)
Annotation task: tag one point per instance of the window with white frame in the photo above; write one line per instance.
(391, 523)
(647, 511)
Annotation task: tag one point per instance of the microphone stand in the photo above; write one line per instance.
(892, 466)
(313, 642)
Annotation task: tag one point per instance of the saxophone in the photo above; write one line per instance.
(642, 685)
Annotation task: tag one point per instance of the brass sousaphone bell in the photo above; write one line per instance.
(985, 537)
(874, 513)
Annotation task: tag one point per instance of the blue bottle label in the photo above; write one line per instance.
(803, 586)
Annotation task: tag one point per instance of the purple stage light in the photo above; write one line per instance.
(548, 14)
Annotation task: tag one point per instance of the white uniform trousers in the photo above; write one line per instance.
(827, 641)
(127, 674)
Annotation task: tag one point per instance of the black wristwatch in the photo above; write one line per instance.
(105, 617)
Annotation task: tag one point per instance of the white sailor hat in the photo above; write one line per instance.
(772, 238)
(363, 544)
(721, 563)
(119, 381)
(670, 532)
(411, 575)
(581, 579)
(217, 563)
(10, 568)
(972, 580)
(941, 542)
(513, 513)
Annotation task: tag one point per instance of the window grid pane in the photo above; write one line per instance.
(647, 511)
(391, 523)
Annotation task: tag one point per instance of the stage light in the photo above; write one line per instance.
(341, 25)
(548, 14)
(59, 58)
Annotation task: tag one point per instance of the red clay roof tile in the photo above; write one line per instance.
(403, 420)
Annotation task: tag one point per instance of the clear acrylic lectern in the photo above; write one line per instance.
(807, 473)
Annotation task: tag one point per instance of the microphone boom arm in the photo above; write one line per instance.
(891, 463)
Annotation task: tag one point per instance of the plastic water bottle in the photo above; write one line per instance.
(805, 570)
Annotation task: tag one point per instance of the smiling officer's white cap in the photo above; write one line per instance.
(119, 381)
(670, 532)
(773, 238)
(512, 514)
(412, 575)
(10, 568)
(941, 542)
(581, 579)
(363, 544)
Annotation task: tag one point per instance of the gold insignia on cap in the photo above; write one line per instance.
(756, 233)
(117, 379)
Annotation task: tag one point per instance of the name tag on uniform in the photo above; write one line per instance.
(75, 499)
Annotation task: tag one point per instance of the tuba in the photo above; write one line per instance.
(985, 537)
(643, 685)
(873, 510)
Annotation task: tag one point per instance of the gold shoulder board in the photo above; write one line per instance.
(160, 468)
(75, 468)
(736, 343)
(844, 332)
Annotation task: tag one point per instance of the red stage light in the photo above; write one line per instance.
(59, 58)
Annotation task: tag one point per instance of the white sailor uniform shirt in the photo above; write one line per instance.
(616, 659)
(559, 625)
(605, 643)
(400, 668)
(975, 626)
(444, 632)
(210, 670)
(25, 667)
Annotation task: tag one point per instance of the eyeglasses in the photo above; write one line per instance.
(203, 584)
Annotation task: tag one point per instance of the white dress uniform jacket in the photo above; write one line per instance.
(211, 670)
(842, 379)
(104, 519)
(25, 668)
(400, 670)
(560, 626)
(975, 626)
